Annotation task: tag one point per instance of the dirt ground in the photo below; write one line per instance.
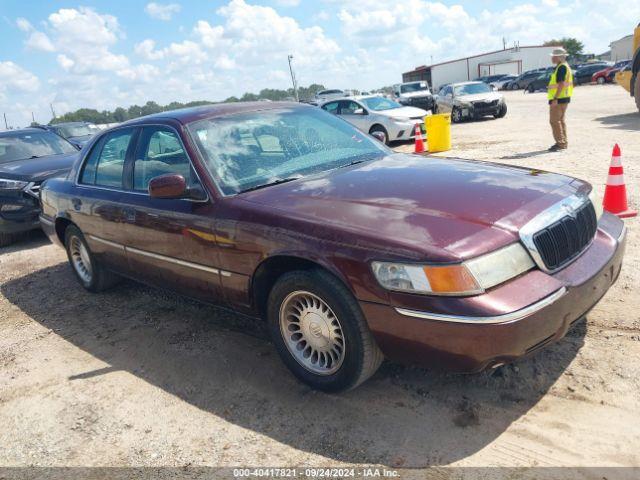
(140, 377)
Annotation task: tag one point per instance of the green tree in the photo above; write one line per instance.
(573, 46)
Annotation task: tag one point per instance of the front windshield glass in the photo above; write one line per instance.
(21, 145)
(471, 89)
(247, 151)
(414, 87)
(70, 131)
(380, 103)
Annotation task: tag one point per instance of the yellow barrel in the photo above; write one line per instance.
(438, 132)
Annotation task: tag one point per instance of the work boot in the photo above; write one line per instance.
(554, 148)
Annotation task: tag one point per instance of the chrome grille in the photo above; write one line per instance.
(562, 241)
(33, 189)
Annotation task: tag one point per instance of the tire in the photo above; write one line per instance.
(348, 359)
(636, 90)
(381, 129)
(7, 239)
(601, 80)
(530, 88)
(515, 86)
(93, 276)
(456, 115)
(502, 112)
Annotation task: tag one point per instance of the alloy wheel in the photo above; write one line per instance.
(312, 332)
(80, 259)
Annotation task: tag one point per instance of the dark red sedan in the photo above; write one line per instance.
(350, 251)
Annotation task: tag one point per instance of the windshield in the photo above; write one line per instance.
(69, 131)
(246, 151)
(471, 89)
(380, 103)
(330, 92)
(414, 87)
(18, 146)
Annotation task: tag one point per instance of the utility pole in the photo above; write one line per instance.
(293, 79)
(53, 112)
(6, 125)
(33, 117)
(504, 43)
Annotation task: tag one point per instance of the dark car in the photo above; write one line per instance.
(351, 252)
(78, 133)
(583, 74)
(522, 81)
(539, 83)
(27, 158)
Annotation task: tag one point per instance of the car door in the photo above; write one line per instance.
(355, 114)
(446, 100)
(169, 242)
(96, 202)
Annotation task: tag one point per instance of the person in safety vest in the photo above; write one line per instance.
(559, 93)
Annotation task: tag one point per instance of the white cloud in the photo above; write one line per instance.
(147, 50)
(24, 24)
(15, 78)
(65, 62)
(39, 41)
(288, 3)
(162, 11)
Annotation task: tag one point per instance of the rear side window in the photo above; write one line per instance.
(105, 163)
(331, 107)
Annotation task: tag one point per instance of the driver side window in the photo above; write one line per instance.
(159, 152)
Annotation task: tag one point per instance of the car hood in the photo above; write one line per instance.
(419, 93)
(455, 208)
(38, 169)
(487, 97)
(403, 112)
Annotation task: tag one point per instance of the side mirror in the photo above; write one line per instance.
(378, 136)
(170, 185)
(78, 146)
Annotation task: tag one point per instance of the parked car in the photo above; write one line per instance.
(607, 75)
(583, 74)
(470, 100)
(77, 133)
(27, 158)
(539, 83)
(414, 94)
(522, 80)
(350, 251)
(502, 83)
(324, 95)
(374, 113)
(488, 79)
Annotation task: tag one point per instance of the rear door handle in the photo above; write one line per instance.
(77, 203)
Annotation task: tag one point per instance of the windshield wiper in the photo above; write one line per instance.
(269, 184)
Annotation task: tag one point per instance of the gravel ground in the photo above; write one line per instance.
(140, 377)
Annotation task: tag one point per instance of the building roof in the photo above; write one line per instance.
(422, 68)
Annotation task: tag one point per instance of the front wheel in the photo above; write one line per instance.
(531, 89)
(456, 115)
(320, 332)
(601, 80)
(380, 129)
(92, 275)
(502, 112)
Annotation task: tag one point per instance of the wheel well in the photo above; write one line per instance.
(268, 273)
(61, 227)
(378, 126)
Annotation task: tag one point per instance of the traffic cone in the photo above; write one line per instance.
(615, 193)
(419, 143)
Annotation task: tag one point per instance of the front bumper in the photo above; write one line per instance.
(509, 321)
(478, 111)
(18, 212)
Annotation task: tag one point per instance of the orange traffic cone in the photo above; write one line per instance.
(615, 193)
(419, 143)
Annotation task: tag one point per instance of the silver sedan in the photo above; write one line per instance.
(373, 113)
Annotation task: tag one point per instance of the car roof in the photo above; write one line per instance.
(465, 83)
(69, 124)
(192, 114)
(7, 133)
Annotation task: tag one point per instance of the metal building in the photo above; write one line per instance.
(622, 49)
(511, 60)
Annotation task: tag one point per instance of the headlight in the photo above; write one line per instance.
(6, 184)
(597, 203)
(467, 278)
(400, 119)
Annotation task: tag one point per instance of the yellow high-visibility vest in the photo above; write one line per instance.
(552, 88)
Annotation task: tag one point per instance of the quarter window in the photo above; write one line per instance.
(105, 164)
(159, 152)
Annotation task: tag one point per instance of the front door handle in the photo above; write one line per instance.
(77, 203)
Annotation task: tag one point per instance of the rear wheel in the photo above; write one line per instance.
(601, 80)
(89, 272)
(531, 88)
(320, 332)
(7, 239)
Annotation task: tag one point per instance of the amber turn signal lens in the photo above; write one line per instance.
(451, 279)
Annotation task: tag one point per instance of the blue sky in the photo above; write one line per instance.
(101, 54)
